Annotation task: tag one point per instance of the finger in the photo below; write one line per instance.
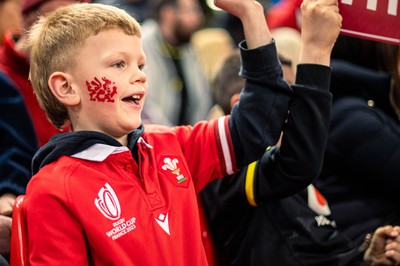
(393, 249)
(393, 256)
(6, 208)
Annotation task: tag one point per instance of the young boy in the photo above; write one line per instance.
(112, 193)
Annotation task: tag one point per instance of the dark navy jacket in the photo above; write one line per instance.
(268, 214)
(18, 141)
(361, 173)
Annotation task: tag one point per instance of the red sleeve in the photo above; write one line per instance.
(55, 235)
(213, 142)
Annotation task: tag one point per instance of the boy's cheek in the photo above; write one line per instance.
(101, 89)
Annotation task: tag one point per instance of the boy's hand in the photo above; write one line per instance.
(251, 14)
(320, 27)
(238, 8)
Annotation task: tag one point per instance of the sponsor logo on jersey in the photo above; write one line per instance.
(163, 222)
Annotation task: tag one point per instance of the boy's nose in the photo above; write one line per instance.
(139, 76)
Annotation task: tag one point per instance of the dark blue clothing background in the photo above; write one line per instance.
(361, 173)
(18, 141)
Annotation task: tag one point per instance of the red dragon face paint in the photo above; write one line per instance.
(101, 91)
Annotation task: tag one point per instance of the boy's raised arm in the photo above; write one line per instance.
(251, 14)
(257, 120)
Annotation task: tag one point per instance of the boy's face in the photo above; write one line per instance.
(112, 85)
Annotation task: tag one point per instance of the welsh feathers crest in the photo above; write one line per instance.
(172, 165)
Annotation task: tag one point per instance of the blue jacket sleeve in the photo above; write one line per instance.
(257, 120)
(299, 160)
(18, 141)
(284, 171)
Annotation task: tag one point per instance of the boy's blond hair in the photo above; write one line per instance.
(55, 40)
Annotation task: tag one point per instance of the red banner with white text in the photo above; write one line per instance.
(377, 20)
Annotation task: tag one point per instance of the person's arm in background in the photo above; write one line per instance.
(18, 144)
(321, 18)
(300, 156)
(305, 134)
(284, 172)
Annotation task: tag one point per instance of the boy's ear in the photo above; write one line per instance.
(60, 86)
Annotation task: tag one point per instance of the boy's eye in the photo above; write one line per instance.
(119, 64)
(141, 67)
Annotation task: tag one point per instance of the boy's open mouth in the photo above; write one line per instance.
(134, 98)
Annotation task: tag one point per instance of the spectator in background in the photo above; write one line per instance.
(361, 170)
(23, 124)
(18, 143)
(288, 42)
(14, 62)
(139, 9)
(212, 45)
(10, 16)
(179, 91)
(263, 216)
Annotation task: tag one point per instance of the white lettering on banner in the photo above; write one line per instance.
(373, 4)
(380, 19)
(392, 7)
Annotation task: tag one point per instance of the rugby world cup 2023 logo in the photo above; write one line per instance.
(107, 203)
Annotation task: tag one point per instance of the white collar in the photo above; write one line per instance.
(99, 152)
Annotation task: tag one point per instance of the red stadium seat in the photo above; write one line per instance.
(19, 236)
